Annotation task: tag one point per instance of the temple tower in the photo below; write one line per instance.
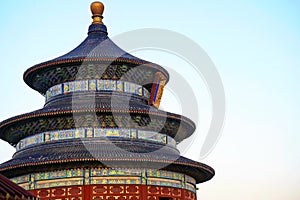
(100, 134)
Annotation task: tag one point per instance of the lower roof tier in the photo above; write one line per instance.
(10, 190)
(86, 154)
(97, 114)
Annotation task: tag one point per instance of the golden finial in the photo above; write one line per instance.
(97, 9)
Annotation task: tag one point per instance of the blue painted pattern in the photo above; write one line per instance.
(95, 133)
(97, 86)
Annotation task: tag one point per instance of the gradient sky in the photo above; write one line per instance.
(255, 46)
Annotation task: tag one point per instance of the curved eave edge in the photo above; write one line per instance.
(41, 113)
(101, 110)
(209, 171)
(87, 59)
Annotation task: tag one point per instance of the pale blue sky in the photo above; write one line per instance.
(255, 46)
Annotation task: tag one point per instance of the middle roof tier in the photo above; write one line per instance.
(102, 112)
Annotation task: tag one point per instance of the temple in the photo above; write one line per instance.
(100, 134)
(11, 191)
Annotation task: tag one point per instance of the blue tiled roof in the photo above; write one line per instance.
(110, 154)
(11, 131)
(98, 45)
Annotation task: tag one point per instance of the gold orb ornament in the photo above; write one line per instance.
(97, 9)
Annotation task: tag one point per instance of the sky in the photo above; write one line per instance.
(255, 46)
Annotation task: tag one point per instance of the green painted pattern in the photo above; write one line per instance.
(96, 85)
(95, 133)
(105, 176)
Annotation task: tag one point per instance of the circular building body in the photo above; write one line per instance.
(100, 134)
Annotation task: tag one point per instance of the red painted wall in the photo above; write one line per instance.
(113, 192)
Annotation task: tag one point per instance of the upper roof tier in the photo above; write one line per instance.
(103, 58)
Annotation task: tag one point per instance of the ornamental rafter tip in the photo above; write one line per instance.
(97, 9)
